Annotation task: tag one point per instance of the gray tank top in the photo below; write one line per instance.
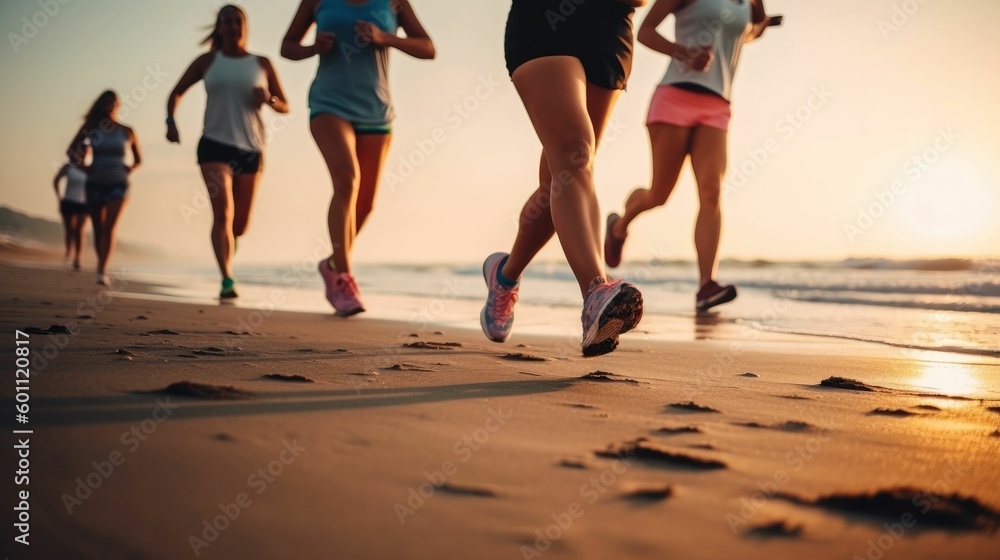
(108, 165)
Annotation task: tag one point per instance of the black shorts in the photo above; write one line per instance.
(597, 32)
(99, 194)
(70, 208)
(240, 161)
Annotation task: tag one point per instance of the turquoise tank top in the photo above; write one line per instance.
(352, 81)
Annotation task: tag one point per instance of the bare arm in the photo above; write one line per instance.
(697, 58)
(136, 152)
(291, 45)
(274, 87)
(416, 43)
(59, 176)
(78, 148)
(191, 76)
(759, 18)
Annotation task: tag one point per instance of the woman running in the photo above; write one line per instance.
(230, 151)
(108, 174)
(73, 206)
(689, 115)
(569, 69)
(350, 113)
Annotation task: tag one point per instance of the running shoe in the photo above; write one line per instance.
(712, 294)
(613, 245)
(329, 280)
(348, 298)
(497, 316)
(228, 290)
(103, 280)
(609, 310)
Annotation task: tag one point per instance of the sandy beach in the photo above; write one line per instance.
(169, 430)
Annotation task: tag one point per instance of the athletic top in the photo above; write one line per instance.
(231, 117)
(724, 24)
(108, 165)
(352, 81)
(76, 178)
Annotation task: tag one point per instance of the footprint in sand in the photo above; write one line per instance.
(433, 345)
(471, 489)
(894, 412)
(607, 377)
(790, 426)
(294, 378)
(647, 493)
(522, 357)
(673, 431)
(848, 384)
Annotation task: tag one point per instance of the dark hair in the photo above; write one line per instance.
(98, 113)
(214, 38)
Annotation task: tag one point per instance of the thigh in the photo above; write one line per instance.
(600, 103)
(371, 152)
(244, 190)
(337, 143)
(219, 181)
(554, 92)
(709, 158)
(669, 145)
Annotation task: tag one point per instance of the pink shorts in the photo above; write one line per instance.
(688, 109)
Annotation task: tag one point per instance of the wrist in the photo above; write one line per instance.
(170, 121)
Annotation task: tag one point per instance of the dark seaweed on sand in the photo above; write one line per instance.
(650, 493)
(204, 391)
(952, 512)
(289, 377)
(845, 383)
(520, 356)
(607, 377)
(665, 431)
(641, 449)
(778, 529)
(691, 406)
(897, 412)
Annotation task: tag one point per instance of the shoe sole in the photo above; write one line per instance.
(621, 315)
(482, 314)
(725, 296)
(350, 313)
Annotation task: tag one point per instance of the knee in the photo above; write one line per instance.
(345, 182)
(710, 196)
(570, 157)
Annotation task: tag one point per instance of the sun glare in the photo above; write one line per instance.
(947, 379)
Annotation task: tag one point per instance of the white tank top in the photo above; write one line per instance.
(230, 115)
(76, 179)
(724, 24)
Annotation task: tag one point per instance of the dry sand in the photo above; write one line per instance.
(333, 440)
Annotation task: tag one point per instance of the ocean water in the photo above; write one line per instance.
(941, 305)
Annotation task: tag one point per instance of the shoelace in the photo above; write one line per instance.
(503, 304)
(349, 284)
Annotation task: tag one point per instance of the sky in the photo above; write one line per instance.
(860, 128)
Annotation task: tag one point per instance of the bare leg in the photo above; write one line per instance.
(372, 149)
(554, 92)
(669, 146)
(336, 141)
(219, 181)
(77, 222)
(535, 227)
(708, 160)
(244, 190)
(67, 220)
(97, 213)
(112, 211)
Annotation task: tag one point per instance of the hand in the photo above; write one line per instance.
(371, 33)
(260, 96)
(324, 42)
(173, 136)
(698, 58)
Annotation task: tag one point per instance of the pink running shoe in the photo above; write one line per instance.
(348, 301)
(341, 291)
(613, 245)
(610, 309)
(497, 316)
